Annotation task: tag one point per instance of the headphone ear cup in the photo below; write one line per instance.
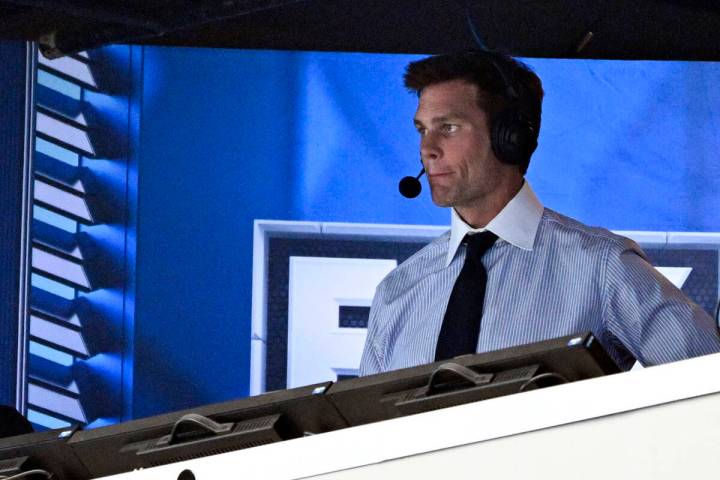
(513, 137)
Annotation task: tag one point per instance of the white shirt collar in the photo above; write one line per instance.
(517, 223)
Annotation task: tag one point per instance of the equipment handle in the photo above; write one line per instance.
(455, 370)
(194, 420)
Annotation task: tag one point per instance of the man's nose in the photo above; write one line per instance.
(429, 149)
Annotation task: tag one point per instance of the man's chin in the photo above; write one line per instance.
(442, 201)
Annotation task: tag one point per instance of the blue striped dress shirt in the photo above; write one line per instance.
(548, 276)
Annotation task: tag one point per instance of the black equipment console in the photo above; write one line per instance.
(46, 451)
(293, 413)
(207, 430)
(470, 378)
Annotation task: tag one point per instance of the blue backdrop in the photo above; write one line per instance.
(225, 137)
(626, 145)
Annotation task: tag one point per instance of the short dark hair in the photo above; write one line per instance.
(485, 69)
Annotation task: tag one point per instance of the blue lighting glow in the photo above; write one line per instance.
(46, 420)
(54, 219)
(59, 85)
(52, 286)
(51, 354)
(57, 152)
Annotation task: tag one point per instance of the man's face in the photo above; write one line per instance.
(455, 146)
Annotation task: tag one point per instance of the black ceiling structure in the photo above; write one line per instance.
(600, 29)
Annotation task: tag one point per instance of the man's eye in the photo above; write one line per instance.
(450, 128)
(421, 130)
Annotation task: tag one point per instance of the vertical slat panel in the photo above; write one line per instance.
(12, 162)
(75, 368)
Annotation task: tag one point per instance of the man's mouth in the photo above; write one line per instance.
(438, 174)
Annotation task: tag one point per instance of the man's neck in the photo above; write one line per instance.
(481, 212)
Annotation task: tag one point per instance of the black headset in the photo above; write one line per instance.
(513, 130)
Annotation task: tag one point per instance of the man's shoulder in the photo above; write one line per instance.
(569, 231)
(429, 258)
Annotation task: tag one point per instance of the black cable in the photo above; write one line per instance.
(27, 474)
(511, 92)
(541, 377)
(473, 28)
(472, 25)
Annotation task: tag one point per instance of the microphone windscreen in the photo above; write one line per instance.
(410, 187)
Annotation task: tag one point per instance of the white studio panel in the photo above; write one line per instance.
(318, 348)
(676, 275)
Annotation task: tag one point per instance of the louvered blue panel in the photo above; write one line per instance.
(51, 354)
(74, 375)
(51, 218)
(51, 286)
(43, 420)
(63, 130)
(66, 270)
(57, 334)
(63, 404)
(59, 85)
(52, 238)
(45, 369)
(63, 200)
(74, 68)
(57, 152)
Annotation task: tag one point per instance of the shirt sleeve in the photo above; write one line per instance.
(652, 318)
(371, 360)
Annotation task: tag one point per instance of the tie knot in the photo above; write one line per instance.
(479, 243)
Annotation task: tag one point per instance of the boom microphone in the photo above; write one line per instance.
(410, 187)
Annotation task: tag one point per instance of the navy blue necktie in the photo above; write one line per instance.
(461, 325)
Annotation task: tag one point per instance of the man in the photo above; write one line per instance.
(543, 275)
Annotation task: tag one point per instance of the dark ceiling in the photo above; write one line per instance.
(618, 29)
